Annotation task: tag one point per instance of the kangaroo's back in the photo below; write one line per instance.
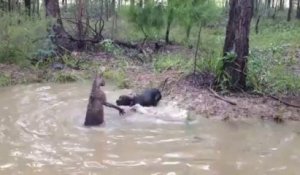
(95, 114)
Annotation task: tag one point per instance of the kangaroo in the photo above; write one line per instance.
(95, 111)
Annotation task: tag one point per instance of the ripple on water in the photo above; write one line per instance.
(41, 132)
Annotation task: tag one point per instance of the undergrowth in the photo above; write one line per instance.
(4, 80)
(118, 77)
(21, 38)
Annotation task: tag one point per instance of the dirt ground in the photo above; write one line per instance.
(202, 101)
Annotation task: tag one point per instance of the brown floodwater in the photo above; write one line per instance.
(41, 132)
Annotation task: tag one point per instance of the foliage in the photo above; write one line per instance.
(148, 19)
(118, 76)
(172, 61)
(4, 80)
(196, 12)
(267, 72)
(64, 77)
(108, 46)
(21, 38)
(274, 33)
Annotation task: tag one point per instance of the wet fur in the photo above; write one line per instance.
(95, 110)
(149, 97)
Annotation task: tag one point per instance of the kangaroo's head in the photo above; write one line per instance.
(99, 80)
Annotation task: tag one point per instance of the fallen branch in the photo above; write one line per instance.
(219, 97)
(277, 99)
(283, 102)
(126, 44)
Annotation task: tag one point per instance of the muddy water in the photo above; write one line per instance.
(41, 133)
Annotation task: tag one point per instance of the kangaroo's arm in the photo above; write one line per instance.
(114, 106)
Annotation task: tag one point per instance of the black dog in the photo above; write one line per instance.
(150, 97)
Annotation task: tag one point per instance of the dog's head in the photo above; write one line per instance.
(125, 100)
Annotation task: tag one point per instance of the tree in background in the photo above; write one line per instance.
(236, 47)
(290, 10)
(204, 12)
(148, 18)
(171, 10)
(298, 10)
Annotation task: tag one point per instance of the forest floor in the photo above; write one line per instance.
(176, 85)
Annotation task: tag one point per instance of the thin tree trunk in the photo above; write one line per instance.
(113, 8)
(237, 41)
(256, 24)
(131, 4)
(107, 9)
(256, 7)
(268, 7)
(197, 48)
(102, 8)
(298, 10)
(281, 5)
(65, 4)
(269, 3)
(79, 22)
(9, 5)
(38, 7)
(188, 31)
(169, 22)
(290, 10)
(27, 6)
(33, 7)
(119, 4)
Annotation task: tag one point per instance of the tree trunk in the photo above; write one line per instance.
(9, 5)
(62, 39)
(298, 10)
(27, 4)
(269, 3)
(38, 7)
(131, 4)
(79, 20)
(65, 4)
(197, 49)
(256, 7)
(290, 10)
(281, 5)
(268, 8)
(169, 22)
(113, 8)
(188, 31)
(119, 4)
(102, 8)
(256, 24)
(107, 9)
(237, 41)
(34, 7)
(52, 9)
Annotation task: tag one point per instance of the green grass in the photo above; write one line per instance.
(4, 80)
(275, 33)
(65, 77)
(118, 77)
(21, 37)
(170, 61)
